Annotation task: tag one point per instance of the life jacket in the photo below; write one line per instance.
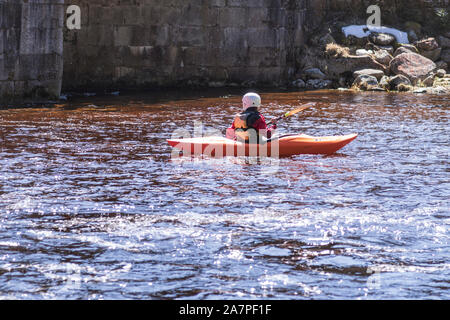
(243, 124)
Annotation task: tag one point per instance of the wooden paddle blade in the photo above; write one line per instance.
(290, 113)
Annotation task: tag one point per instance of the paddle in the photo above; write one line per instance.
(290, 113)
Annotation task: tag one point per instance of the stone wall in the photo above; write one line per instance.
(133, 43)
(31, 49)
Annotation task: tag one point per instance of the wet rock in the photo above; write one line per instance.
(318, 84)
(383, 57)
(397, 81)
(444, 41)
(314, 73)
(384, 82)
(363, 52)
(370, 72)
(381, 39)
(299, 83)
(427, 44)
(365, 81)
(412, 65)
(441, 73)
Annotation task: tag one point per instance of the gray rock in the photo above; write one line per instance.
(299, 83)
(401, 50)
(338, 66)
(441, 73)
(444, 41)
(397, 80)
(318, 84)
(314, 73)
(364, 81)
(409, 46)
(382, 39)
(383, 57)
(389, 49)
(384, 82)
(370, 72)
(363, 52)
(433, 55)
(427, 44)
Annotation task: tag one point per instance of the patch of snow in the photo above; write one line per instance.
(364, 31)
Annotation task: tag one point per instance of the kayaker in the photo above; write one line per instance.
(249, 125)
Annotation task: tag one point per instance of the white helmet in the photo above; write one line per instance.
(251, 100)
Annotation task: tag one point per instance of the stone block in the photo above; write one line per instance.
(122, 35)
(233, 17)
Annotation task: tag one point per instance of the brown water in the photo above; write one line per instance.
(92, 205)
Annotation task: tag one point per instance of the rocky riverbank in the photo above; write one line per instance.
(377, 62)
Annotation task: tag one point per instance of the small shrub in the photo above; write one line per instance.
(336, 51)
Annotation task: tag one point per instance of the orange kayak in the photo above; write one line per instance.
(284, 146)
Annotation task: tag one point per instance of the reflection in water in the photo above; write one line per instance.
(92, 205)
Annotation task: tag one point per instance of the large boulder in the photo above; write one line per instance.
(381, 39)
(412, 65)
(370, 72)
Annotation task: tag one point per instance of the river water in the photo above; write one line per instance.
(93, 205)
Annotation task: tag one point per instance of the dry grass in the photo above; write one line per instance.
(336, 51)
